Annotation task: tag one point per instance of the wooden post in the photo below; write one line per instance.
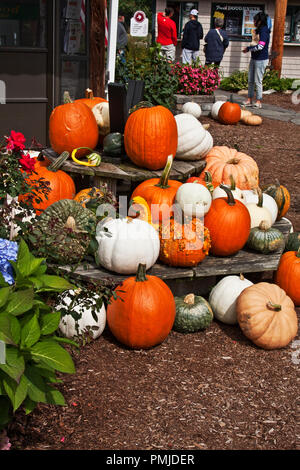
(278, 34)
(97, 47)
(112, 39)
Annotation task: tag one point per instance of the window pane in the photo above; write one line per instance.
(23, 23)
(73, 27)
(238, 18)
(296, 25)
(73, 78)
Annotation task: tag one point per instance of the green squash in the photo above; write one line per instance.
(193, 313)
(293, 242)
(265, 238)
(113, 144)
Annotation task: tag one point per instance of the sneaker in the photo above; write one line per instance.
(257, 105)
(248, 103)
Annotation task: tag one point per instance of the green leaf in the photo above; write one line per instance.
(20, 393)
(5, 411)
(31, 332)
(15, 364)
(29, 405)
(20, 302)
(36, 281)
(4, 293)
(49, 322)
(50, 353)
(56, 282)
(9, 329)
(36, 384)
(59, 339)
(48, 374)
(27, 263)
(54, 397)
(3, 283)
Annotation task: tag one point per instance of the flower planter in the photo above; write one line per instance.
(205, 101)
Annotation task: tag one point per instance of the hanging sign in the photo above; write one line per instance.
(139, 24)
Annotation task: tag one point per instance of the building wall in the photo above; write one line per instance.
(234, 59)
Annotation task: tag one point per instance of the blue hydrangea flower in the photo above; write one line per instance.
(8, 252)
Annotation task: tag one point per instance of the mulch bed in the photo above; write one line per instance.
(282, 100)
(207, 390)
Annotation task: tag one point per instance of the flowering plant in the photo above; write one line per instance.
(8, 252)
(196, 79)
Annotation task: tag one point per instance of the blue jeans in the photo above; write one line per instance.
(255, 77)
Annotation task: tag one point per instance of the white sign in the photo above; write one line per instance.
(248, 20)
(73, 9)
(139, 24)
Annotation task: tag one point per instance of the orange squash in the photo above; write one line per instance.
(228, 222)
(150, 135)
(159, 193)
(288, 275)
(61, 184)
(229, 113)
(143, 313)
(183, 244)
(224, 162)
(281, 196)
(267, 316)
(72, 125)
(90, 100)
(85, 195)
(139, 209)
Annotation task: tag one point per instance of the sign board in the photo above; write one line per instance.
(139, 24)
(73, 9)
(248, 20)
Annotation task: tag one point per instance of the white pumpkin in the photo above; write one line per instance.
(86, 324)
(194, 199)
(249, 196)
(194, 142)
(258, 212)
(192, 108)
(101, 113)
(215, 109)
(236, 192)
(125, 243)
(223, 297)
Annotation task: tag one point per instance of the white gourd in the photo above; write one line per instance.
(215, 109)
(101, 113)
(192, 108)
(249, 196)
(86, 324)
(223, 297)
(258, 212)
(125, 243)
(194, 199)
(194, 142)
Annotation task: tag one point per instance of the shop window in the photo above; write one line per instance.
(238, 19)
(182, 14)
(292, 25)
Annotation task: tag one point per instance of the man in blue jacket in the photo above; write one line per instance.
(192, 34)
(216, 43)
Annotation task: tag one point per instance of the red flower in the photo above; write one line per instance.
(15, 141)
(27, 163)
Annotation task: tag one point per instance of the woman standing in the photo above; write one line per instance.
(259, 60)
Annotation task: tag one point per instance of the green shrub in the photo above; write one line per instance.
(238, 80)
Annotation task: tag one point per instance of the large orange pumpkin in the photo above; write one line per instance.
(281, 196)
(266, 315)
(183, 244)
(159, 193)
(72, 125)
(90, 100)
(143, 314)
(225, 163)
(61, 184)
(288, 275)
(150, 135)
(229, 113)
(228, 222)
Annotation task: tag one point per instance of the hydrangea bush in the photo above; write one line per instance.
(8, 252)
(196, 79)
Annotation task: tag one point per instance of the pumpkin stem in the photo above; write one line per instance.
(163, 182)
(89, 93)
(234, 161)
(141, 273)
(67, 97)
(275, 307)
(264, 225)
(260, 197)
(140, 105)
(189, 299)
(230, 198)
(242, 278)
(70, 223)
(232, 183)
(207, 177)
(277, 183)
(58, 163)
(298, 253)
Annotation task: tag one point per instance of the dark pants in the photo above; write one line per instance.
(209, 62)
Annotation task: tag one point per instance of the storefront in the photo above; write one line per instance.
(45, 49)
(238, 22)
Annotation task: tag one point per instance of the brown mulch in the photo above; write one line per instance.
(207, 390)
(282, 100)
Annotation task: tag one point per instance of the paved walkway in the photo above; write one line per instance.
(268, 111)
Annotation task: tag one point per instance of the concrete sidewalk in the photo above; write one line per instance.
(268, 111)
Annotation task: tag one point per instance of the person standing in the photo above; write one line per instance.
(122, 38)
(192, 34)
(167, 33)
(259, 60)
(216, 43)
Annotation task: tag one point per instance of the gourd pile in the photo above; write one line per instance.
(178, 224)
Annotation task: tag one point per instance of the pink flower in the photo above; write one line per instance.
(27, 163)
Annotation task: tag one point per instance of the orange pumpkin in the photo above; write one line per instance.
(288, 275)
(229, 113)
(60, 183)
(207, 181)
(85, 195)
(143, 314)
(150, 135)
(72, 125)
(266, 315)
(159, 193)
(281, 196)
(222, 162)
(183, 244)
(228, 222)
(90, 100)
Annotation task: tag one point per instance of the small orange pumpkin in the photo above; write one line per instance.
(90, 100)
(288, 275)
(85, 195)
(144, 311)
(229, 113)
